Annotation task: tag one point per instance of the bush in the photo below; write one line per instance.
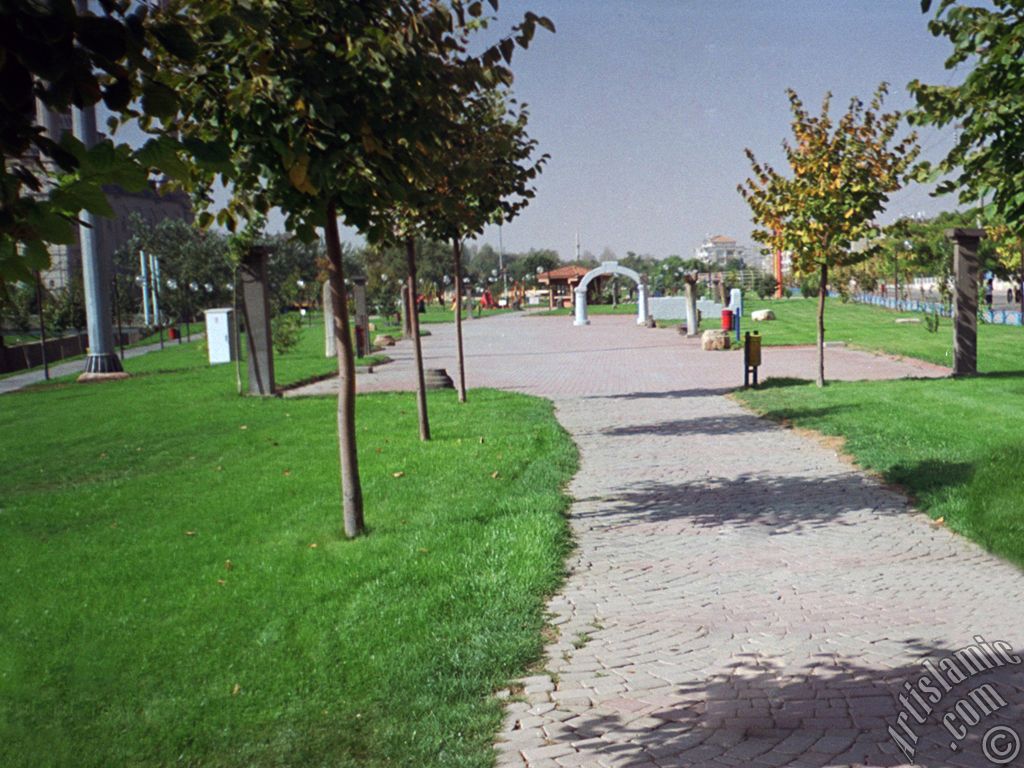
(285, 330)
(809, 286)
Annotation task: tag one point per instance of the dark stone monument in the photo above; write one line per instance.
(965, 311)
(256, 311)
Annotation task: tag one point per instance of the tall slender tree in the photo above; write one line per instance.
(842, 175)
(488, 181)
(327, 109)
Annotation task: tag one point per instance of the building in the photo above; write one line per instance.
(719, 249)
(111, 234)
(561, 283)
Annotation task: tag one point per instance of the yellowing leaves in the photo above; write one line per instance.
(298, 175)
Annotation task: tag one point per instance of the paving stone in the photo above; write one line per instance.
(723, 559)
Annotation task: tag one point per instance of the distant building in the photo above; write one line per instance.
(719, 249)
(111, 234)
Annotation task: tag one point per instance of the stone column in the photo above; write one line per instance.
(691, 309)
(330, 348)
(581, 306)
(362, 317)
(256, 309)
(965, 311)
(641, 303)
(102, 361)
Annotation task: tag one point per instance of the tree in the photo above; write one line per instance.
(328, 108)
(985, 107)
(842, 175)
(59, 54)
(487, 181)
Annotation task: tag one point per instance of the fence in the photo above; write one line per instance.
(993, 316)
(23, 356)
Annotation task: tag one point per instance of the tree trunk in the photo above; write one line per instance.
(421, 388)
(457, 257)
(408, 309)
(351, 489)
(822, 290)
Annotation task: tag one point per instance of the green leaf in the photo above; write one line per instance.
(81, 195)
(213, 155)
(161, 154)
(176, 39)
(118, 95)
(49, 225)
(37, 256)
(104, 36)
(158, 100)
(545, 22)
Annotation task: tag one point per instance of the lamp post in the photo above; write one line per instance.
(172, 285)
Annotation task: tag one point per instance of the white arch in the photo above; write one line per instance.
(611, 268)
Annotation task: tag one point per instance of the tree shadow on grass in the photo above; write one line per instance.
(930, 475)
(835, 708)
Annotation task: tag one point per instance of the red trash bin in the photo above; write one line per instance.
(726, 319)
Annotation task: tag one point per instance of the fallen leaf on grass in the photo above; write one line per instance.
(494, 474)
(190, 533)
(398, 474)
(313, 545)
(221, 582)
(236, 690)
(481, 441)
(939, 521)
(287, 473)
(244, 426)
(228, 565)
(424, 549)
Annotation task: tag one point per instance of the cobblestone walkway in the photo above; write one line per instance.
(739, 595)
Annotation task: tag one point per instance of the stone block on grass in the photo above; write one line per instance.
(715, 339)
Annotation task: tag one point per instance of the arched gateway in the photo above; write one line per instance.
(611, 268)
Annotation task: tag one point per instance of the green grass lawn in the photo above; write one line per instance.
(1000, 347)
(177, 589)
(956, 445)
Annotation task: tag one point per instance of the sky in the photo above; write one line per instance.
(645, 108)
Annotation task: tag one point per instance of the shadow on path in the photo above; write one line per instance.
(836, 710)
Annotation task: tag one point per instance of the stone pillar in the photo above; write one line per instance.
(581, 306)
(691, 309)
(256, 309)
(362, 317)
(102, 361)
(965, 311)
(330, 348)
(641, 303)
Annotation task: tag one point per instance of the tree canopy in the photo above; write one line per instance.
(985, 107)
(842, 173)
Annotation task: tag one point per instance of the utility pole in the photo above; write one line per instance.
(577, 245)
(102, 362)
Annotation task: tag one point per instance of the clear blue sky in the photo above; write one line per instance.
(645, 108)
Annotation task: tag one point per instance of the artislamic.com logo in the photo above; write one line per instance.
(933, 695)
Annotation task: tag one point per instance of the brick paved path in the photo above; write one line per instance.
(739, 595)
